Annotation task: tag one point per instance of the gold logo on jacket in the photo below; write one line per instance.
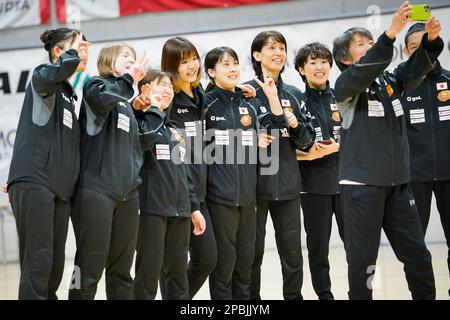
(246, 120)
(336, 116)
(444, 95)
(389, 90)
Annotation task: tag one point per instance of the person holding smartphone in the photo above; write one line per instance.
(374, 171)
(428, 126)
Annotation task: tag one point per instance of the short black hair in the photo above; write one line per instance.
(416, 27)
(215, 56)
(312, 50)
(342, 43)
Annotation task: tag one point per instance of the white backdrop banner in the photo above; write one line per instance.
(22, 13)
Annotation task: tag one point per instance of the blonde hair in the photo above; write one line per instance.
(107, 58)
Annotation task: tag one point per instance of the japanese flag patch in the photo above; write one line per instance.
(441, 86)
(285, 103)
(243, 110)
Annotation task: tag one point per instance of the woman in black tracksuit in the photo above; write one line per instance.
(45, 164)
(428, 129)
(232, 123)
(167, 197)
(181, 59)
(279, 192)
(105, 213)
(319, 165)
(374, 153)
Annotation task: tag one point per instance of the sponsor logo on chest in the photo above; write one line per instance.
(413, 99)
(217, 118)
(180, 110)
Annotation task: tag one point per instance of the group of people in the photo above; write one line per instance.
(186, 177)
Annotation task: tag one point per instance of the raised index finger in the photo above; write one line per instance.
(259, 82)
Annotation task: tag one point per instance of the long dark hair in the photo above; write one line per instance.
(259, 42)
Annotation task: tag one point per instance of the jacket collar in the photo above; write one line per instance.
(317, 93)
(226, 95)
(182, 99)
(279, 83)
(162, 114)
(70, 90)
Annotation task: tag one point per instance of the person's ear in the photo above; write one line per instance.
(257, 56)
(301, 70)
(406, 51)
(56, 53)
(211, 73)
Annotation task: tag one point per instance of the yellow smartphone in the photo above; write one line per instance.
(420, 12)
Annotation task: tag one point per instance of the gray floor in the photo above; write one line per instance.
(390, 284)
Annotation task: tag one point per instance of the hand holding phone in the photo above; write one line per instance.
(327, 146)
(399, 20)
(420, 12)
(325, 142)
(433, 28)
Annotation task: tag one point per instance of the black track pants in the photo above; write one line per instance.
(368, 209)
(42, 222)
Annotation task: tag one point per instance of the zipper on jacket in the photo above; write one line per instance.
(433, 140)
(131, 153)
(235, 125)
(393, 154)
(279, 146)
(73, 149)
(177, 168)
(385, 97)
